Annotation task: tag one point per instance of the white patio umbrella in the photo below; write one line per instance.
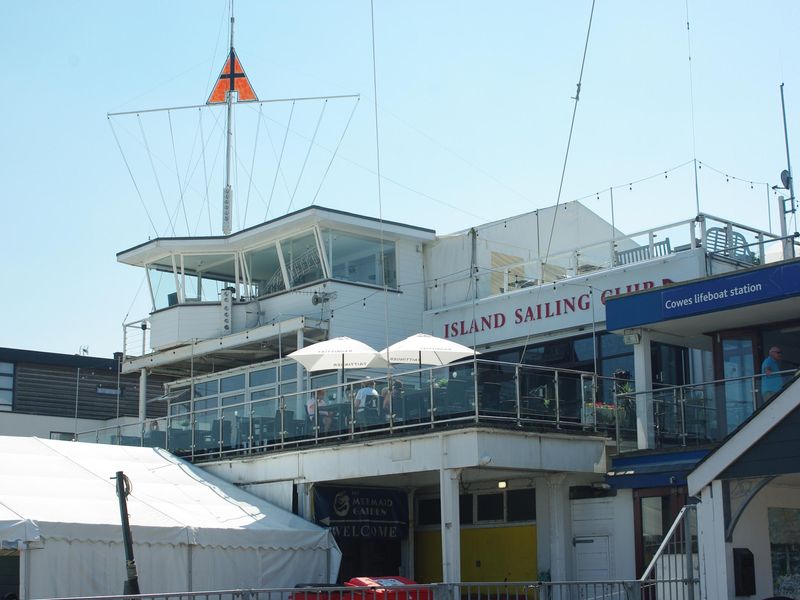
(338, 353)
(424, 349)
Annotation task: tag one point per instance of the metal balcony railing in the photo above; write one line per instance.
(470, 392)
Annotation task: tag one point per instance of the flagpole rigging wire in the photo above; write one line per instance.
(280, 162)
(252, 167)
(133, 179)
(691, 104)
(335, 151)
(155, 175)
(178, 173)
(380, 199)
(308, 153)
(576, 98)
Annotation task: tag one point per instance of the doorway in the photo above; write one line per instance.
(654, 511)
(368, 557)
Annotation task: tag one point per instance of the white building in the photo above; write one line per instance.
(494, 468)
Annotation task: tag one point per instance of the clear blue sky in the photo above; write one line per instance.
(474, 112)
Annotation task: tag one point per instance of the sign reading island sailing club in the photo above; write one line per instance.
(361, 512)
(574, 302)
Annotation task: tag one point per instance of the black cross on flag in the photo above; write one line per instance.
(232, 79)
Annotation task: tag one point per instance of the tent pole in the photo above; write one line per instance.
(132, 582)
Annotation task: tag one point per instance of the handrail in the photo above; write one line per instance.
(664, 544)
(524, 395)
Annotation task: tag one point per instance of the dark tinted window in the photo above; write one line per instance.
(465, 509)
(521, 505)
(490, 507)
(428, 511)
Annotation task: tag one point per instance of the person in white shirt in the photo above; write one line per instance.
(367, 397)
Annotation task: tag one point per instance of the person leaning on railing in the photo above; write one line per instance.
(771, 381)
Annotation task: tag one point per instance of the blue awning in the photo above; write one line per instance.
(654, 469)
(731, 291)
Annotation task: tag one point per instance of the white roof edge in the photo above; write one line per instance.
(288, 225)
(752, 431)
(166, 357)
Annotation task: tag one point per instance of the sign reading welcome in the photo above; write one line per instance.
(361, 512)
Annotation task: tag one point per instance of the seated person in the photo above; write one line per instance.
(366, 399)
(392, 402)
(315, 401)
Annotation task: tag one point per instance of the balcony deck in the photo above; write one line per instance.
(469, 393)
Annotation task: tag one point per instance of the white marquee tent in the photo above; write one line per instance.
(191, 530)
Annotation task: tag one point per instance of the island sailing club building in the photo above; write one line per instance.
(558, 451)
(513, 446)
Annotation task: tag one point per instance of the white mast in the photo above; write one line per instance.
(227, 193)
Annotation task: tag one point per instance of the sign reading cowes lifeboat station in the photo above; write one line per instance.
(566, 304)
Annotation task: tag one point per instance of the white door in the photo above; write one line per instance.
(591, 558)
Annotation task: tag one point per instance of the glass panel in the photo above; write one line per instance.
(231, 384)
(231, 400)
(490, 507)
(456, 394)
(7, 368)
(265, 270)
(302, 259)
(737, 361)
(358, 258)
(288, 388)
(612, 344)
(537, 389)
(6, 382)
(265, 418)
(497, 389)
(262, 377)
(206, 388)
(162, 283)
(213, 273)
(428, 511)
(521, 505)
(289, 371)
(206, 436)
(654, 512)
(182, 409)
(6, 398)
(270, 392)
(465, 510)
(204, 403)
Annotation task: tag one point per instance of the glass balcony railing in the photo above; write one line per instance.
(473, 391)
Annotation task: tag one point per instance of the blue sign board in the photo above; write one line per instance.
(741, 288)
(362, 512)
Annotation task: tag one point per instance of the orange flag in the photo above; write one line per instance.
(232, 78)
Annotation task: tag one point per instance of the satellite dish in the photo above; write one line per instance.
(786, 179)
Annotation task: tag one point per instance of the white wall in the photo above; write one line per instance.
(22, 425)
(752, 531)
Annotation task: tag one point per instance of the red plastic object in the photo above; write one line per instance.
(390, 587)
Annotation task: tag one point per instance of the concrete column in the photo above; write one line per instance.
(143, 398)
(451, 524)
(543, 562)
(559, 520)
(643, 376)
